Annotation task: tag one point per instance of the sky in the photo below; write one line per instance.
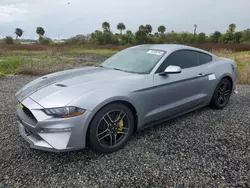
(67, 18)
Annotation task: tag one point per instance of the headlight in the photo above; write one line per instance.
(64, 112)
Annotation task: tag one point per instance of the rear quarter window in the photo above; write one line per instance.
(204, 58)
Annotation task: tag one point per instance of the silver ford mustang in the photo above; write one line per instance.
(103, 106)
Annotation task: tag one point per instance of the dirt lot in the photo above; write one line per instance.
(205, 148)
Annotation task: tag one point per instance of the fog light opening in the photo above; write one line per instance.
(55, 130)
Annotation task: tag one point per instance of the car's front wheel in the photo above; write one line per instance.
(221, 94)
(111, 128)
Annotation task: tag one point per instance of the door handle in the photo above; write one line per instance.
(201, 74)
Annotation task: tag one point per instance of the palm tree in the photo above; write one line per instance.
(156, 34)
(105, 26)
(129, 32)
(141, 36)
(148, 29)
(195, 27)
(141, 28)
(231, 28)
(121, 27)
(129, 35)
(161, 29)
(40, 31)
(18, 32)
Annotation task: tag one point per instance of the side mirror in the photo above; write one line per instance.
(171, 69)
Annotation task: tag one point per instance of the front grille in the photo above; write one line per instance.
(29, 114)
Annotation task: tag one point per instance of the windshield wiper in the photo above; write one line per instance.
(122, 70)
(118, 69)
(114, 68)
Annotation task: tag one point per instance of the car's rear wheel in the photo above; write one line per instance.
(221, 94)
(111, 128)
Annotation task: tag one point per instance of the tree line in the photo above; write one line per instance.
(19, 32)
(144, 35)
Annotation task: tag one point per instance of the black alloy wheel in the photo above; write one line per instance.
(111, 128)
(222, 94)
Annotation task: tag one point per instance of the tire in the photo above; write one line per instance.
(221, 94)
(111, 128)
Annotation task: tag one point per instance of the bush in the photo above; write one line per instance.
(8, 40)
(78, 39)
(232, 47)
(45, 41)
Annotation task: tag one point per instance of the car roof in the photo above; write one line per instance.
(169, 48)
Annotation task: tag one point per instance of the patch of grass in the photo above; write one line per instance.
(9, 65)
(47, 59)
(78, 51)
(243, 63)
(231, 47)
(44, 64)
(60, 52)
(40, 68)
(23, 53)
(41, 64)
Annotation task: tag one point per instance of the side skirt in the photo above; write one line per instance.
(152, 123)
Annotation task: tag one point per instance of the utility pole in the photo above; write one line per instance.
(195, 27)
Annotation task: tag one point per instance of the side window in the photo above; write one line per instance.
(204, 58)
(183, 59)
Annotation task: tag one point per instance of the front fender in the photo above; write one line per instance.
(94, 101)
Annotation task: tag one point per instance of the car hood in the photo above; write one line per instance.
(59, 89)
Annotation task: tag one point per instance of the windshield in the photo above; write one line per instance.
(134, 60)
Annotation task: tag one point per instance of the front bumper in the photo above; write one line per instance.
(52, 141)
(37, 142)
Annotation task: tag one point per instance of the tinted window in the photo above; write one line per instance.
(204, 58)
(183, 59)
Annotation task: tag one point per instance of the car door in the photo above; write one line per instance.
(206, 67)
(177, 93)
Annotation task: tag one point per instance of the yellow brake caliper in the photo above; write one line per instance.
(120, 126)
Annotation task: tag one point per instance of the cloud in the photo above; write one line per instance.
(11, 13)
(70, 17)
(9, 2)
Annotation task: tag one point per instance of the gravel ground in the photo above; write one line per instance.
(205, 148)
